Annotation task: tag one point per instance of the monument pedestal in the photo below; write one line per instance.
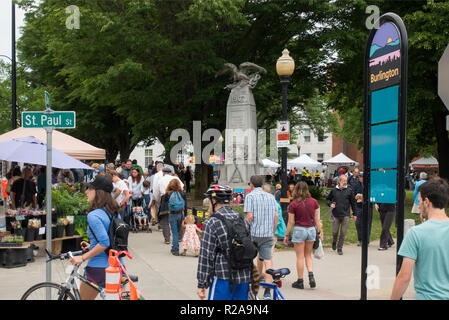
(240, 139)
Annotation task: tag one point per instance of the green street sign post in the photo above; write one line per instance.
(43, 119)
(47, 100)
(49, 120)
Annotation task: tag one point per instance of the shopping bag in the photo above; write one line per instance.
(318, 253)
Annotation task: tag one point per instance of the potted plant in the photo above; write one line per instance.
(70, 226)
(60, 227)
(17, 228)
(31, 230)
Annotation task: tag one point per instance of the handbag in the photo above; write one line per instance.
(316, 244)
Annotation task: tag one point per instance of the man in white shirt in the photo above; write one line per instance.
(158, 191)
(154, 186)
(120, 192)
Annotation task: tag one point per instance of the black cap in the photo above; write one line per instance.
(101, 183)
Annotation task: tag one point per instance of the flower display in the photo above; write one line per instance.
(34, 223)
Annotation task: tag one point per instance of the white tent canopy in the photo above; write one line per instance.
(340, 160)
(425, 162)
(267, 163)
(63, 142)
(303, 161)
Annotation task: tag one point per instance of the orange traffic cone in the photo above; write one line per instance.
(113, 277)
(133, 292)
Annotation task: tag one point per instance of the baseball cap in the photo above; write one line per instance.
(101, 183)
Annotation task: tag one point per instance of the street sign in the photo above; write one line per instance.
(42, 119)
(443, 81)
(47, 100)
(283, 134)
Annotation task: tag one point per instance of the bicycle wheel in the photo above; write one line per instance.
(39, 292)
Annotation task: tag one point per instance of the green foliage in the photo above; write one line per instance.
(316, 192)
(69, 203)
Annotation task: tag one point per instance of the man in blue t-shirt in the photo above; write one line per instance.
(425, 247)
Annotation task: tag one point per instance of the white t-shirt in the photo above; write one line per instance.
(122, 186)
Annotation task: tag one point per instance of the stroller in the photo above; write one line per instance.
(138, 213)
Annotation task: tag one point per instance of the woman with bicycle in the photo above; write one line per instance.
(304, 215)
(102, 206)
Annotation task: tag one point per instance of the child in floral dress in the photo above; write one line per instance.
(190, 241)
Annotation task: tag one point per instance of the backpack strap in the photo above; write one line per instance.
(226, 254)
(93, 233)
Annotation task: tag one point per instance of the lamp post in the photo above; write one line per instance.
(13, 65)
(285, 67)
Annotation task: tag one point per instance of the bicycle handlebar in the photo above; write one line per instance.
(64, 256)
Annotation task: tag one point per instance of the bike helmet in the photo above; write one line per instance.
(221, 194)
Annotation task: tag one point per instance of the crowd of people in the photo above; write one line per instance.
(115, 189)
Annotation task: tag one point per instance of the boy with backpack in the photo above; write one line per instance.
(226, 256)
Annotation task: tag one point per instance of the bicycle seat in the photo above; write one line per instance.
(133, 278)
(278, 273)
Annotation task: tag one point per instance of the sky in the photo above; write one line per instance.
(5, 27)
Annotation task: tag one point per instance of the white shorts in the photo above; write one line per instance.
(415, 209)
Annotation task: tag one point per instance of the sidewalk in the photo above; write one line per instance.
(163, 276)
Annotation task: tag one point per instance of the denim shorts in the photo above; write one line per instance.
(264, 247)
(301, 234)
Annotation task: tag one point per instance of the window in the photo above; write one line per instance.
(320, 137)
(320, 157)
(306, 135)
(148, 157)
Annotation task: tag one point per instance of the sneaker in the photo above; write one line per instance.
(298, 285)
(340, 252)
(175, 253)
(334, 246)
(312, 282)
(167, 242)
(267, 296)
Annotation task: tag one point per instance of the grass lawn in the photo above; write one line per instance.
(351, 235)
(376, 227)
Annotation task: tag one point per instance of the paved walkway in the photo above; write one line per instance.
(163, 276)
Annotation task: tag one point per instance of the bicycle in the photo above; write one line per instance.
(277, 275)
(69, 290)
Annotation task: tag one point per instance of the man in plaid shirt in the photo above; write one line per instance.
(213, 268)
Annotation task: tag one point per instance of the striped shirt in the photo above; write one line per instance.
(211, 261)
(263, 206)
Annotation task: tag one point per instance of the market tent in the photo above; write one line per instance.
(267, 163)
(424, 163)
(303, 161)
(340, 160)
(31, 150)
(63, 142)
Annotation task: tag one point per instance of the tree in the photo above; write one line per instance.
(427, 30)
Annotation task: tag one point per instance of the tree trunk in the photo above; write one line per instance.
(439, 119)
(203, 178)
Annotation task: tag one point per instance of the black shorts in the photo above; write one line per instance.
(96, 275)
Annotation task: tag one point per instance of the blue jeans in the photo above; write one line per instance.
(175, 219)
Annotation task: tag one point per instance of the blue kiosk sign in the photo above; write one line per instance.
(385, 114)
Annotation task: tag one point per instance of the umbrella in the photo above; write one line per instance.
(34, 151)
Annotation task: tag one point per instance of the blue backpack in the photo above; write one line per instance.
(176, 202)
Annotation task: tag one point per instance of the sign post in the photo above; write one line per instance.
(48, 120)
(283, 134)
(385, 116)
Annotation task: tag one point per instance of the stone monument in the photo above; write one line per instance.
(241, 126)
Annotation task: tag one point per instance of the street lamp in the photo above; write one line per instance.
(285, 66)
